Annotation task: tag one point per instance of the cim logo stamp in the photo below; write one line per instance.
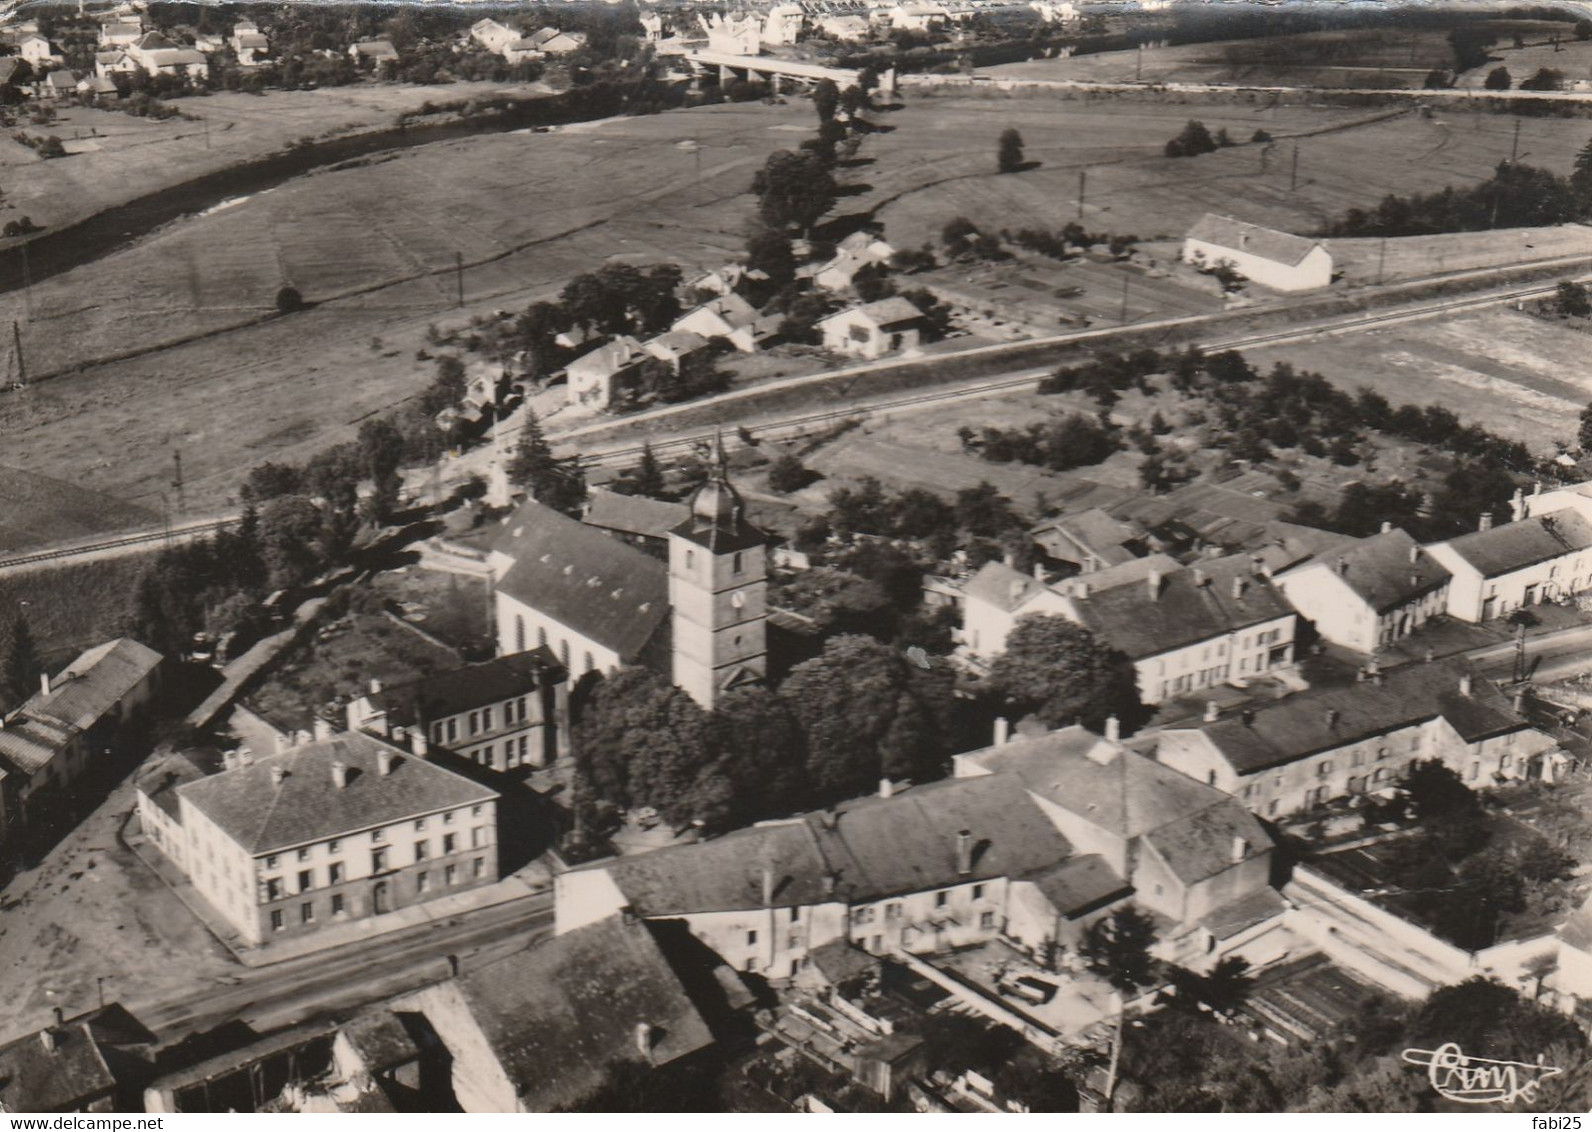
(1480, 1080)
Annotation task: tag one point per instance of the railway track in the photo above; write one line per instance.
(798, 425)
(141, 538)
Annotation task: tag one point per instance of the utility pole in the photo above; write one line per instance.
(1381, 261)
(1126, 278)
(1293, 177)
(458, 271)
(1138, 64)
(1083, 178)
(176, 480)
(27, 282)
(22, 366)
(1514, 150)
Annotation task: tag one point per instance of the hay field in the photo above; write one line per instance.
(116, 157)
(39, 511)
(930, 173)
(1519, 376)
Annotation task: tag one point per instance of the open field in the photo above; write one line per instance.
(1524, 378)
(924, 176)
(528, 211)
(1367, 58)
(1574, 58)
(116, 157)
(71, 608)
(1364, 260)
(37, 510)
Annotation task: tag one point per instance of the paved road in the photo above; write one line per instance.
(1551, 657)
(354, 975)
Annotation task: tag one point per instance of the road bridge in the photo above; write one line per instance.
(774, 69)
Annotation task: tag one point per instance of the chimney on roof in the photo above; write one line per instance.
(964, 852)
(1517, 505)
(1240, 848)
(1415, 579)
(768, 886)
(1247, 718)
(417, 742)
(1386, 526)
(1343, 566)
(1415, 555)
(47, 1039)
(384, 762)
(1520, 700)
(1431, 654)
(339, 774)
(59, 1015)
(44, 682)
(1332, 717)
(1003, 730)
(323, 729)
(375, 685)
(1009, 559)
(1359, 675)
(1199, 577)
(1153, 581)
(1536, 488)
(644, 1040)
(1015, 590)
(1484, 523)
(1466, 684)
(831, 882)
(1113, 729)
(885, 789)
(277, 775)
(1080, 588)
(1213, 711)
(1238, 588)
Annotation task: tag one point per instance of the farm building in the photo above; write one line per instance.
(874, 329)
(1370, 594)
(1499, 569)
(1279, 260)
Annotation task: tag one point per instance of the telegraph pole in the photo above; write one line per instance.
(1514, 149)
(1126, 278)
(458, 271)
(22, 366)
(1381, 261)
(1293, 177)
(176, 480)
(1083, 179)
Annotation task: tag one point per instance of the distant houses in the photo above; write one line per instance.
(874, 329)
(1279, 260)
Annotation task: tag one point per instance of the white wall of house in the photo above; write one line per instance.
(1318, 592)
(1472, 597)
(479, 1082)
(986, 625)
(854, 335)
(518, 622)
(1248, 652)
(1314, 271)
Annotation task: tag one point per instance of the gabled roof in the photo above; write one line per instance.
(886, 312)
(376, 49)
(557, 1014)
(609, 358)
(254, 40)
(1003, 587)
(633, 514)
(263, 816)
(1107, 785)
(36, 1078)
(1514, 546)
(176, 57)
(1267, 243)
(1214, 597)
(61, 80)
(680, 342)
(95, 683)
(442, 694)
(1098, 532)
(600, 587)
(1079, 885)
(1289, 544)
(874, 847)
(153, 41)
(1323, 719)
(1385, 570)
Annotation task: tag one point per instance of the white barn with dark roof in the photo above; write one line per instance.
(1279, 260)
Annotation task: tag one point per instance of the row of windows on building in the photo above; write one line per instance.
(339, 905)
(378, 836)
(336, 871)
(520, 644)
(479, 722)
(515, 753)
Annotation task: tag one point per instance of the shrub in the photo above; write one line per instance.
(289, 300)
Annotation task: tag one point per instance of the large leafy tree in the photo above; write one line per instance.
(867, 714)
(20, 665)
(1062, 673)
(761, 750)
(793, 190)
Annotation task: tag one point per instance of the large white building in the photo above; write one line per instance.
(1500, 569)
(1279, 260)
(599, 603)
(1367, 595)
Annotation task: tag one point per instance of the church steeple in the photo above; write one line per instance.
(718, 581)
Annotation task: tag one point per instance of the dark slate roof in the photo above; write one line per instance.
(600, 587)
(838, 961)
(36, 1079)
(1325, 718)
(876, 848)
(161, 775)
(1108, 785)
(1200, 845)
(1098, 532)
(94, 683)
(1387, 569)
(442, 694)
(380, 1038)
(558, 1013)
(1248, 910)
(1267, 243)
(1194, 604)
(1289, 544)
(263, 816)
(1515, 546)
(633, 514)
(1080, 885)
